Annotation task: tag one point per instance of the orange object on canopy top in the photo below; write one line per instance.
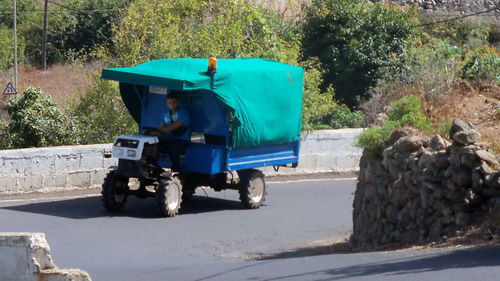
(212, 64)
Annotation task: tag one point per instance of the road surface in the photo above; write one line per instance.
(213, 238)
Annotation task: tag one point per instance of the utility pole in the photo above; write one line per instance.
(15, 47)
(44, 35)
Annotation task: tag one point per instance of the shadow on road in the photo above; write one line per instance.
(483, 256)
(91, 207)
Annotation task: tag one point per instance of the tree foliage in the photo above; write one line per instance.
(7, 47)
(356, 41)
(74, 30)
(201, 28)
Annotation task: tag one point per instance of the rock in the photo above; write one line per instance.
(494, 203)
(483, 168)
(466, 137)
(426, 159)
(438, 143)
(438, 194)
(458, 207)
(491, 191)
(457, 149)
(458, 126)
(435, 230)
(492, 180)
(454, 160)
(462, 218)
(454, 195)
(397, 134)
(442, 161)
(450, 184)
(409, 143)
(472, 198)
(447, 211)
(488, 157)
(468, 160)
(477, 181)
(447, 220)
(462, 177)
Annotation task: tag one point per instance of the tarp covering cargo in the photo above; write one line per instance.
(264, 96)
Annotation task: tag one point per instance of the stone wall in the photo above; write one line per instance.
(53, 168)
(424, 187)
(79, 167)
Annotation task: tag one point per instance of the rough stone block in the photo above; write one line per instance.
(91, 162)
(79, 179)
(55, 180)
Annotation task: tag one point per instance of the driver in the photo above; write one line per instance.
(174, 133)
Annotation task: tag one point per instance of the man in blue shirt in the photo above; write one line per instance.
(174, 130)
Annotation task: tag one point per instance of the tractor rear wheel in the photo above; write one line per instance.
(252, 188)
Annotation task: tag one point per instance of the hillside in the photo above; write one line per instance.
(62, 82)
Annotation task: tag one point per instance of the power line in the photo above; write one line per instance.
(461, 17)
(64, 12)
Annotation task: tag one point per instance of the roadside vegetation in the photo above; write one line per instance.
(366, 64)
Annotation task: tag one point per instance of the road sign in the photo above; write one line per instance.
(9, 90)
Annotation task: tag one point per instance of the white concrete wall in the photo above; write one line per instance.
(26, 257)
(80, 167)
(53, 168)
(325, 151)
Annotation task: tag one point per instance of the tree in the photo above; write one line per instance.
(200, 28)
(356, 42)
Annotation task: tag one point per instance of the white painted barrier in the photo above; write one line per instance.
(81, 167)
(26, 257)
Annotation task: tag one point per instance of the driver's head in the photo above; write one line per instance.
(173, 101)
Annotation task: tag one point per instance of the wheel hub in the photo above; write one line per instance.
(173, 197)
(257, 189)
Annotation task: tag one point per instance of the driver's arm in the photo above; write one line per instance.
(169, 128)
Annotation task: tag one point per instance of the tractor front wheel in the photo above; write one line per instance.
(169, 196)
(114, 191)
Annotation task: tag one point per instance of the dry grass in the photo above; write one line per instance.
(60, 81)
(476, 104)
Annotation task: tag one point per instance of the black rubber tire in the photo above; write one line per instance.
(165, 189)
(249, 180)
(114, 185)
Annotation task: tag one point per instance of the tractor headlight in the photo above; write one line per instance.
(131, 153)
(119, 152)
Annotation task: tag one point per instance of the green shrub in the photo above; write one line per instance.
(316, 105)
(36, 121)
(100, 115)
(343, 117)
(467, 33)
(356, 42)
(481, 63)
(406, 112)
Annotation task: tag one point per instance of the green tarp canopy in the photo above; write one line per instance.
(265, 96)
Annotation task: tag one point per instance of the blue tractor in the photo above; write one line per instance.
(245, 114)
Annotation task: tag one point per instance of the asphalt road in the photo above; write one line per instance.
(213, 238)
